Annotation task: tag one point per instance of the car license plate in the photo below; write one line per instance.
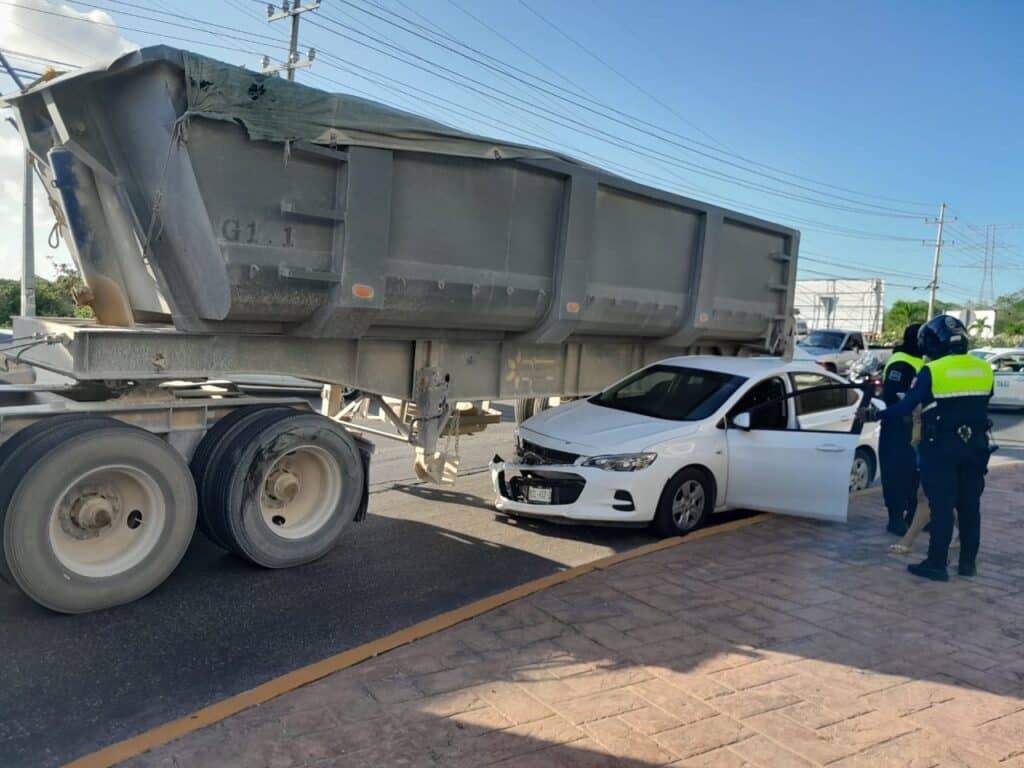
(539, 495)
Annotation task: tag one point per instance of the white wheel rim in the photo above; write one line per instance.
(859, 474)
(107, 521)
(688, 505)
(300, 492)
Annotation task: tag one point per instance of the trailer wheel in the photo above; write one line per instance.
(13, 463)
(286, 489)
(210, 450)
(99, 518)
(528, 407)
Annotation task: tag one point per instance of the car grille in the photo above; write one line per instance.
(532, 453)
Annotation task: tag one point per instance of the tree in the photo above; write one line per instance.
(54, 298)
(903, 313)
(978, 327)
(1010, 314)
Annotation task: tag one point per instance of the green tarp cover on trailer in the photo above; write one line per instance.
(274, 109)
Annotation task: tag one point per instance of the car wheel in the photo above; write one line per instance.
(862, 473)
(831, 368)
(685, 503)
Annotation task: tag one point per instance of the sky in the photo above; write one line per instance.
(851, 122)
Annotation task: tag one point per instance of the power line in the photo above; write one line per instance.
(622, 118)
(533, 108)
(829, 228)
(557, 28)
(86, 20)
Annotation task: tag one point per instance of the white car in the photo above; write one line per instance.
(1008, 366)
(683, 438)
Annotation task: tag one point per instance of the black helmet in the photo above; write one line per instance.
(909, 344)
(941, 336)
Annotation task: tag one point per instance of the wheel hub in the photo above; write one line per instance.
(283, 485)
(300, 491)
(90, 512)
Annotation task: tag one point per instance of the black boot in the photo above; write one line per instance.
(929, 570)
(967, 569)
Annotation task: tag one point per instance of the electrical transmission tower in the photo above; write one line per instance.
(291, 11)
(986, 290)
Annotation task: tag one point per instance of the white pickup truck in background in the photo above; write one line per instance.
(835, 350)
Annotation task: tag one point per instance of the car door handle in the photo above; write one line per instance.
(831, 448)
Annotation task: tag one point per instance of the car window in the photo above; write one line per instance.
(1009, 363)
(821, 400)
(853, 344)
(824, 339)
(772, 417)
(671, 392)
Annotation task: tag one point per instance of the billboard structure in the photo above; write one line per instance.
(852, 305)
(980, 323)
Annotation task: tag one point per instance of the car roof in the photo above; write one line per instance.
(998, 350)
(748, 367)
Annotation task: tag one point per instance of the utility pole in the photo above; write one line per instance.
(291, 11)
(876, 324)
(28, 250)
(986, 269)
(934, 285)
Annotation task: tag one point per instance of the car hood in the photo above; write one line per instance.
(818, 350)
(588, 429)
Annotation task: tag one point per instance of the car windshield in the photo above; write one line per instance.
(671, 392)
(824, 339)
(981, 353)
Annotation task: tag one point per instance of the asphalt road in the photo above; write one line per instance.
(73, 684)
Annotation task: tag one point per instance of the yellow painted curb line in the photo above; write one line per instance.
(129, 748)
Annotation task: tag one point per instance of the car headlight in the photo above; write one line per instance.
(622, 462)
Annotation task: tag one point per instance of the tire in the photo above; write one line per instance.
(831, 368)
(528, 407)
(135, 478)
(209, 451)
(13, 464)
(862, 473)
(286, 488)
(692, 483)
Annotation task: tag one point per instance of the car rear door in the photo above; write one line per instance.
(827, 408)
(777, 468)
(1008, 387)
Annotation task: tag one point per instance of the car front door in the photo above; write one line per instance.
(774, 467)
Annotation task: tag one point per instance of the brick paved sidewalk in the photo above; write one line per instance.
(786, 643)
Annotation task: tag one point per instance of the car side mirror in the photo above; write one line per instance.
(742, 421)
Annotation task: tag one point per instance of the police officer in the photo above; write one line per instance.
(898, 458)
(953, 389)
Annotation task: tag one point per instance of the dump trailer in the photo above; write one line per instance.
(228, 223)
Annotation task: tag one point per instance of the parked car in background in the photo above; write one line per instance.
(835, 350)
(681, 439)
(1008, 366)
